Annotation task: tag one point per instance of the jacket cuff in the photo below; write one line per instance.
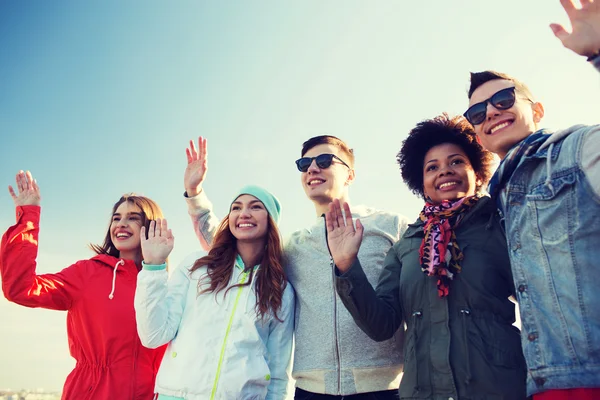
(198, 203)
(31, 211)
(150, 267)
(353, 278)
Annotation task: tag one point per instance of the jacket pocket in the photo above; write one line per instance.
(499, 345)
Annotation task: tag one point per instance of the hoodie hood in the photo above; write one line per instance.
(114, 263)
(559, 135)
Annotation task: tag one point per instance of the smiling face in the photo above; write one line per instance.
(125, 230)
(248, 219)
(502, 129)
(448, 174)
(324, 185)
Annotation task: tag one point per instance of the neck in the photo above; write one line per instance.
(251, 252)
(321, 207)
(135, 256)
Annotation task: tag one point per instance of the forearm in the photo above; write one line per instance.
(377, 314)
(205, 222)
(18, 253)
(157, 311)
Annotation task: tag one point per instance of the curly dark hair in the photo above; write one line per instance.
(439, 130)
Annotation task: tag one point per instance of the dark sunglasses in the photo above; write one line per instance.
(501, 100)
(323, 161)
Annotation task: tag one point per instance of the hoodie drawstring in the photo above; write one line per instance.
(465, 313)
(112, 292)
(548, 182)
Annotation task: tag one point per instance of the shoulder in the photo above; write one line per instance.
(378, 219)
(188, 262)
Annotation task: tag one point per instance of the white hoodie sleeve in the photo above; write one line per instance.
(279, 346)
(204, 220)
(159, 303)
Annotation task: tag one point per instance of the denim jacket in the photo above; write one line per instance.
(552, 220)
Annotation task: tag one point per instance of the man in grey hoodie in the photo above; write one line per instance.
(333, 358)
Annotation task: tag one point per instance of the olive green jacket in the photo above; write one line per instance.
(462, 346)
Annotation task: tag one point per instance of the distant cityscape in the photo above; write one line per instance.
(28, 394)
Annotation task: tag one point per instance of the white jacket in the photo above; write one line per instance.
(218, 348)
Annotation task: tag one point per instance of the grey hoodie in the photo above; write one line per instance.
(332, 355)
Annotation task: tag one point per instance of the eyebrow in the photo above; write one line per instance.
(450, 156)
(130, 213)
(251, 202)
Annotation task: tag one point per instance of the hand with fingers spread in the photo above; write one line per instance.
(157, 247)
(28, 191)
(584, 38)
(195, 172)
(342, 237)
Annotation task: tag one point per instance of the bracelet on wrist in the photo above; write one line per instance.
(594, 56)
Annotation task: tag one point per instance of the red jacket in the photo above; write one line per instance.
(111, 361)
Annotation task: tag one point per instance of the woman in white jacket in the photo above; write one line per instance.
(227, 315)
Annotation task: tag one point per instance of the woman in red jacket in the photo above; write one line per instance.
(96, 293)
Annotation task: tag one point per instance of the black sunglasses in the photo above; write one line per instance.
(323, 161)
(501, 100)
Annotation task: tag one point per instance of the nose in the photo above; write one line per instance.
(445, 169)
(245, 213)
(491, 111)
(313, 167)
(122, 222)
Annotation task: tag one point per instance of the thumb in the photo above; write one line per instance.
(359, 227)
(12, 192)
(143, 234)
(559, 32)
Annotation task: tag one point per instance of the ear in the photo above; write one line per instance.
(538, 112)
(478, 183)
(351, 177)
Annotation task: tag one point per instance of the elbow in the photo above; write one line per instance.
(379, 336)
(150, 343)
(13, 296)
(377, 332)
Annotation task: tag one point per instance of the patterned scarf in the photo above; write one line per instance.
(507, 167)
(439, 253)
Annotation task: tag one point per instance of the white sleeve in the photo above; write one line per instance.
(204, 219)
(279, 347)
(159, 303)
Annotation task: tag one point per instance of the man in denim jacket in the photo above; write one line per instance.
(548, 189)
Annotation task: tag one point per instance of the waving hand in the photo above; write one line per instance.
(28, 191)
(195, 172)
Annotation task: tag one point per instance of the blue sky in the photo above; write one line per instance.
(99, 98)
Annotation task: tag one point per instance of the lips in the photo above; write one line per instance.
(448, 185)
(499, 126)
(315, 181)
(123, 235)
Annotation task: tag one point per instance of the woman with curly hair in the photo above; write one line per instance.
(448, 279)
(227, 315)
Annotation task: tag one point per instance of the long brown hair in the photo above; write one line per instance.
(150, 211)
(270, 277)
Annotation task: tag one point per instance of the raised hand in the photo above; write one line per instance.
(344, 240)
(159, 244)
(28, 191)
(585, 22)
(195, 172)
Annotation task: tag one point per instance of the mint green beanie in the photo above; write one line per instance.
(270, 201)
